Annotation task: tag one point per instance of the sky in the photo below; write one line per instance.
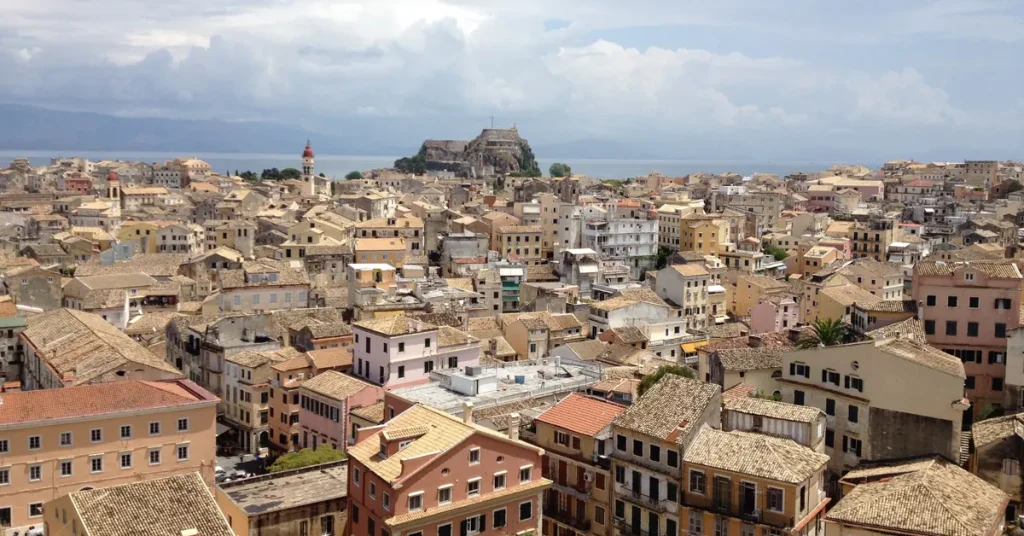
(873, 79)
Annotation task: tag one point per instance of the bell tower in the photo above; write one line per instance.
(308, 176)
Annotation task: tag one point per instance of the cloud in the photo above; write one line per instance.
(437, 65)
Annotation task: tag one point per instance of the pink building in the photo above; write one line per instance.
(325, 401)
(968, 310)
(840, 244)
(398, 351)
(426, 472)
(775, 313)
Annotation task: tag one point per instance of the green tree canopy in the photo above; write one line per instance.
(290, 173)
(559, 169)
(777, 252)
(305, 458)
(652, 379)
(825, 332)
(353, 176)
(272, 174)
(663, 255)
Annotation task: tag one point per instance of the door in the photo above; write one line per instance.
(652, 524)
(748, 498)
(563, 471)
(636, 482)
(635, 519)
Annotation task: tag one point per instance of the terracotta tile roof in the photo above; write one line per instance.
(642, 295)
(909, 328)
(107, 398)
(850, 294)
(993, 269)
(759, 455)
(923, 354)
(630, 334)
(449, 336)
(463, 283)
(671, 409)
(613, 304)
(997, 429)
(372, 413)
(85, 347)
(582, 414)
(588, 350)
(443, 432)
(395, 325)
(890, 306)
(336, 385)
(760, 358)
(253, 359)
(769, 408)
(936, 499)
(160, 507)
(521, 229)
(740, 390)
(690, 270)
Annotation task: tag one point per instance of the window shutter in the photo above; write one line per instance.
(858, 449)
(846, 441)
(792, 369)
(846, 381)
(860, 386)
(824, 376)
(463, 529)
(483, 522)
(807, 372)
(575, 442)
(997, 303)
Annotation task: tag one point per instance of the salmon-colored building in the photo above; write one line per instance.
(968, 310)
(427, 473)
(325, 401)
(57, 441)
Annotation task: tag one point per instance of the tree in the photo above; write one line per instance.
(777, 252)
(825, 332)
(353, 176)
(306, 457)
(663, 254)
(247, 175)
(415, 164)
(652, 379)
(990, 411)
(559, 169)
(272, 174)
(1014, 186)
(290, 173)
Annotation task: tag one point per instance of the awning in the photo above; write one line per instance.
(221, 428)
(691, 347)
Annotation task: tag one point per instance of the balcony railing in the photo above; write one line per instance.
(646, 463)
(740, 510)
(625, 529)
(578, 521)
(657, 504)
(581, 491)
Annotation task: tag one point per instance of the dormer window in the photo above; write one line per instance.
(968, 276)
(383, 450)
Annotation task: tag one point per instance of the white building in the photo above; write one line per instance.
(686, 286)
(399, 351)
(180, 238)
(617, 237)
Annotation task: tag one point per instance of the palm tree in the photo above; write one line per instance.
(827, 332)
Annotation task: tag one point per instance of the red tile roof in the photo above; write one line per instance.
(99, 399)
(582, 414)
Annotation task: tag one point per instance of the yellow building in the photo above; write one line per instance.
(410, 228)
(574, 434)
(523, 241)
(836, 303)
(750, 290)
(744, 483)
(381, 250)
(141, 234)
(702, 234)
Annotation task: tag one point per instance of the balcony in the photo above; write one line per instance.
(740, 510)
(565, 517)
(646, 463)
(580, 491)
(655, 504)
(625, 529)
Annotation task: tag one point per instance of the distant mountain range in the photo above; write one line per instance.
(32, 128)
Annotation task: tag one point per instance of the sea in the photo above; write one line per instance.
(336, 166)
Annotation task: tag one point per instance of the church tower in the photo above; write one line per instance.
(308, 177)
(114, 188)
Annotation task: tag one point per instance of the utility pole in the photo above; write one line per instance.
(492, 121)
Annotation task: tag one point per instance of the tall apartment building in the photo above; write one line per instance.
(625, 237)
(871, 239)
(765, 206)
(872, 392)
(686, 286)
(57, 441)
(968, 310)
(651, 439)
(426, 472)
(326, 401)
(704, 234)
(577, 439)
(400, 350)
(981, 173)
(521, 241)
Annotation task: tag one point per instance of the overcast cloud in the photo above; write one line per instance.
(758, 77)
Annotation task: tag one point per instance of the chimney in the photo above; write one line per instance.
(754, 341)
(513, 427)
(467, 412)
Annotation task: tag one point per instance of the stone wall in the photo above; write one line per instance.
(895, 434)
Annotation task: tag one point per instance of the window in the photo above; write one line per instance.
(929, 327)
(1000, 330)
(620, 474)
(854, 413)
(951, 301)
(996, 357)
(951, 328)
(721, 526)
(385, 501)
(355, 476)
(373, 490)
(96, 464)
(473, 487)
(638, 447)
(499, 518)
(799, 369)
(830, 407)
(697, 483)
(525, 473)
(798, 397)
(182, 452)
(35, 442)
(696, 522)
(183, 424)
(416, 502)
(401, 347)
(969, 382)
(126, 431)
(972, 329)
(526, 511)
(65, 439)
(35, 510)
(35, 473)
(474, 456)
(65, 468)
(4, 446)
(974, 302)
(830, 438)
(673, 458)
(154, 428)
(426, 343)
(499, 481)
(1011, 467)
(154, 456)
(775, 498)
(997, 384)
(96, 435)
(620, 442)
(930, 301)
(126, 460)
(655, 453)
